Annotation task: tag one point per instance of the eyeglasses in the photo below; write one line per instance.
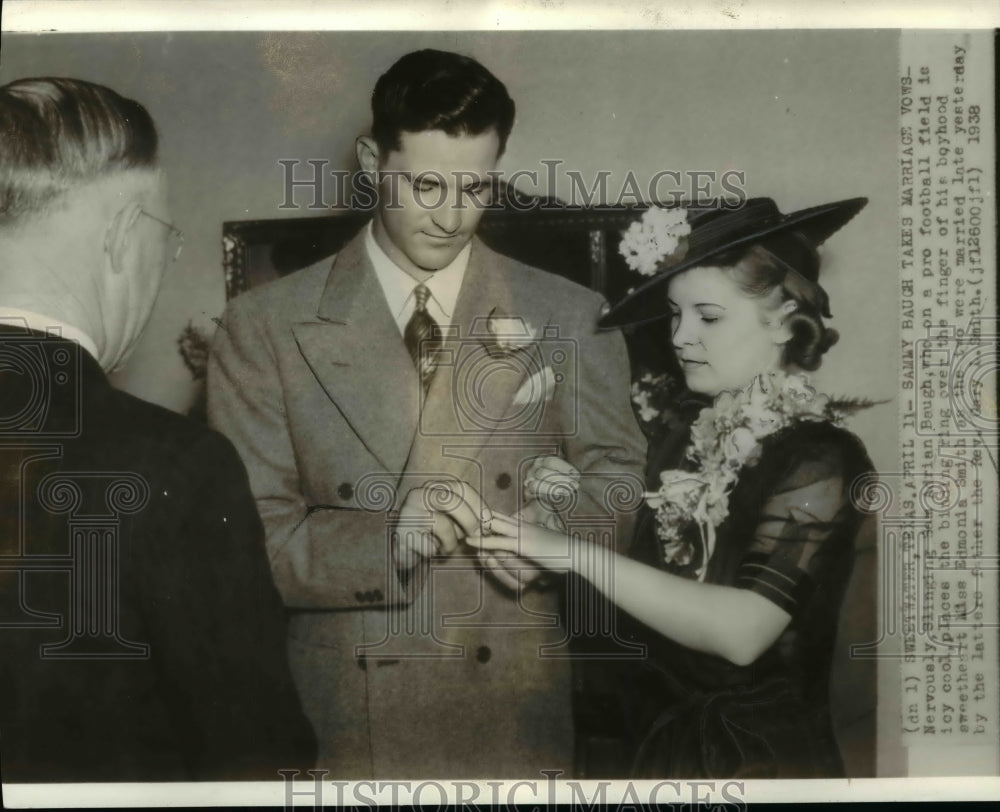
(175, 233)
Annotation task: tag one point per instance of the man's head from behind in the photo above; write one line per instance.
(440, 122)
(83, 215)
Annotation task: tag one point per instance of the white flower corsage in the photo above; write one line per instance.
(726, 437)
(658, 236)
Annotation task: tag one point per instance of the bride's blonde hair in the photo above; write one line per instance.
(761, 275)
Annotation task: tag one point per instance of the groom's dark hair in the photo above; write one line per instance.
(439, 90)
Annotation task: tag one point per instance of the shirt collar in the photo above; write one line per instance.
(444, 284)
(29, 319)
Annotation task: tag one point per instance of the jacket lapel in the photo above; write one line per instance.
(472, 392)
(354, 349)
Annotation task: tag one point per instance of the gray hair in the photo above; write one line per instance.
(56, 133)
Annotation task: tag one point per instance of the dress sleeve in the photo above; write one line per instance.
(802, 524)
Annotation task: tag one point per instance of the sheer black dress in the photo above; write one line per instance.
(789, 537)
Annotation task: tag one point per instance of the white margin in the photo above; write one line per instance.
(445, 15)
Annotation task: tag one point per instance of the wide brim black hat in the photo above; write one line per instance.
(716, 230)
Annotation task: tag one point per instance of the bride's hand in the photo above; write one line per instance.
(547, 548)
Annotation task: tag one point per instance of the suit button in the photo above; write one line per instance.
(503, 481)
(483, 654)
(378, 595)
(360, 596)
(345, 491)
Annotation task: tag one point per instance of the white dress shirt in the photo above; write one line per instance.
(16, 317)
(398, 286)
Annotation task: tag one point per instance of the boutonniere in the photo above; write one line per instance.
(507, 335)
(727, 437)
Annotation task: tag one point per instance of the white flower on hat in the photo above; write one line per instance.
(654, 237)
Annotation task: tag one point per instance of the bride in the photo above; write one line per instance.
(741, 558)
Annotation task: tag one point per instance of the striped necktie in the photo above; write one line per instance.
(421, 337)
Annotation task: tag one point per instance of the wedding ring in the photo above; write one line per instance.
(485, 521)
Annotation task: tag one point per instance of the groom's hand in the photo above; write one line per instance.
(432, 520)
(470, 513)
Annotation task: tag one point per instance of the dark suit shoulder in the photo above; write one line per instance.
(150, 437)
(197, 490)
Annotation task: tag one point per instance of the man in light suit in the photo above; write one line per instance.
(415, 356)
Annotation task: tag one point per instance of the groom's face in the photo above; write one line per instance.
(432, 193)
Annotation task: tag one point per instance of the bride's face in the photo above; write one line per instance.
(722, 336)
